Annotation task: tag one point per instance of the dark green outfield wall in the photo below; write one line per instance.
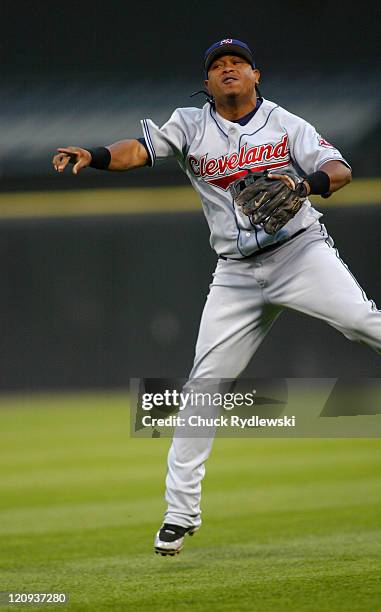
(90, 302)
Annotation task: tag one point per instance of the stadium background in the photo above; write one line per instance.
(103, 277)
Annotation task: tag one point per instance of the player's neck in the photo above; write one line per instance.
(233, 109)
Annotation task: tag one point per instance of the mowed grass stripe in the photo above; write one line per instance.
(149, 200)
(250, 543)
(249, 456)
(131, 512)
(78, 471)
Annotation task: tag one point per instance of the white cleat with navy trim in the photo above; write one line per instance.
(169, 540)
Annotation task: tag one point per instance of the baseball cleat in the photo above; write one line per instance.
(169, 540)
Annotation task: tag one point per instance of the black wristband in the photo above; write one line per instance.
(319, 182)
(100, 158)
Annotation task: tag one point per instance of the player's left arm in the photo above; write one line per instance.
(339, 175)
(323, 168)
(337, 172)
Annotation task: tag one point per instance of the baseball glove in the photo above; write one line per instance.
(270, 202)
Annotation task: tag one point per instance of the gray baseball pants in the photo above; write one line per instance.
(305, 274)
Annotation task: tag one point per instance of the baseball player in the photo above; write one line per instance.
(254, 165)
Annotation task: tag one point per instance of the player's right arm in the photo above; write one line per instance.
(123, 155)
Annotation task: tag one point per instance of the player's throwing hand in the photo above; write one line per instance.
(80, 158)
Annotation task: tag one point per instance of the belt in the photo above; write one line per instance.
(267, 249)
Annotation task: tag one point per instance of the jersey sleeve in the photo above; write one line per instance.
(309, 149)
(170, 140)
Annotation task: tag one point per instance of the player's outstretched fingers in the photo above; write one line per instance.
(80, 158)
(60, 161)
(83, 162)
(287, 180)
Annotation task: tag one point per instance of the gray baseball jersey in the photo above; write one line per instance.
(214, 152)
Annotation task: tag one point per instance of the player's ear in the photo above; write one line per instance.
(206, 84)
(257, 75)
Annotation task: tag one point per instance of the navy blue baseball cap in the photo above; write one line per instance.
(227, 46)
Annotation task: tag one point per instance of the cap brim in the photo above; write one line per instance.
(228, 50)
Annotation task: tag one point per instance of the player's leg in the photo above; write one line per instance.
(311, 277)
(234, 323)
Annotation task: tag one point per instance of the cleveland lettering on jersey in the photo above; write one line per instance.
(247, 157)
(217, 171)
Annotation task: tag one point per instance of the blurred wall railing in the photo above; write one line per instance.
(36, 119)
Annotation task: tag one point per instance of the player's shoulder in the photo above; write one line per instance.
(282, 114)
(190, 112)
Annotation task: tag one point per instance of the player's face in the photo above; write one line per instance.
(231, 76)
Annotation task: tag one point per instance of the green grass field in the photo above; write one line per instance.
(289, 525)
